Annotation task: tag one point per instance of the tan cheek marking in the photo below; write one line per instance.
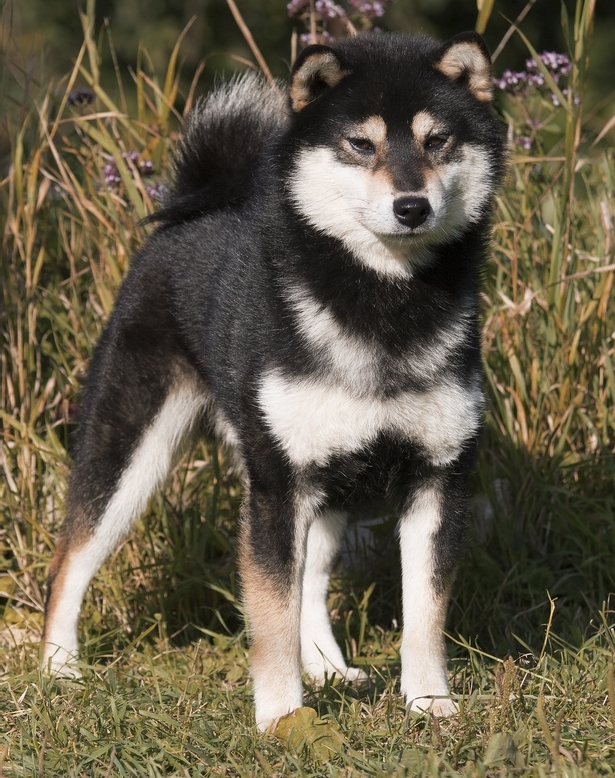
(432, 178)
(383, 183)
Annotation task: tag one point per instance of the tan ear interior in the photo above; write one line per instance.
(467, 59)
(322, 67)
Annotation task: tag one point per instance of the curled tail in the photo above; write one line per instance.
(217, 159)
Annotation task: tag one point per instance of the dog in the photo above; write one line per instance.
(310, 296)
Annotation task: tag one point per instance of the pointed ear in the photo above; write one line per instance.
(316, 69)
(465, 58)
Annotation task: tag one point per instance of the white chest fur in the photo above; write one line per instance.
(314, 420)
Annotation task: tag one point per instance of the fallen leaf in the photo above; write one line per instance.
(502, 748)
(303, 727)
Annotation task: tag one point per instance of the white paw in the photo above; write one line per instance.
(267, 724)
(438, 706)
(355, 676)
(319, 673)
(60, 662)
(272, 701)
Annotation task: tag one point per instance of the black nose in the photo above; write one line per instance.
(412, 211)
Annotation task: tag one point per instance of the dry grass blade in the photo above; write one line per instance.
(245, 31)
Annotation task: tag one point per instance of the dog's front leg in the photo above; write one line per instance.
(272, 558)
(431, 532)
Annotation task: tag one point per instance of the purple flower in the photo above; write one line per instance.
(521, 83)
(111, 174)
(524, 141)
(156, 191)
(131, 155)
(321, 37)
(536, 79)
(575, 98)
(557, 64)
(512, 82)
(369, 9)
(146, 167)
(297, 6)
(329, 10)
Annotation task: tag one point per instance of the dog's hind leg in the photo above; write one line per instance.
(132, 434)
(320, 654)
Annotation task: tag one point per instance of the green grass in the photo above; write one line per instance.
(165, 689)
(157, 709)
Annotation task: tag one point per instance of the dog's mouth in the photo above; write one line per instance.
(405, 236)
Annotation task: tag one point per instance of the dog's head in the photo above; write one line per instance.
(397, 146)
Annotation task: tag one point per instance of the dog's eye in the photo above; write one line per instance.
(436, 141)
(362, 145)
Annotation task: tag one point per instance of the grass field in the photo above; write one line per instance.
(165, 688)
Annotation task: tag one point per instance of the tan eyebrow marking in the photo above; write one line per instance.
(423, 125)
(374, 128)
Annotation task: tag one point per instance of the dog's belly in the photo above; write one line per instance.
(314, 421)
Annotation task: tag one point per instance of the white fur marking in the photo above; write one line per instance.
(148, 467)
(320, 654)
(276, 678)
(423, 658)
(460, 192)
(313, 420)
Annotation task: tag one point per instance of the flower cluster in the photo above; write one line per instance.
(145, 167)
(521, 83)
(323, 37)
(326, 9)
(157, 192)
(359, 13)
(524, 141)
(532, 81)
(370, 10)
(557, 64)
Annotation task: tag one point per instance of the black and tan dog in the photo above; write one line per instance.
(311, 295)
